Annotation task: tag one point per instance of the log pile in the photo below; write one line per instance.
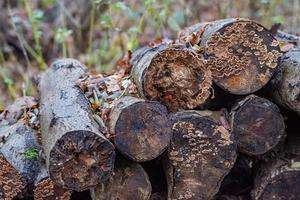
(211, 115)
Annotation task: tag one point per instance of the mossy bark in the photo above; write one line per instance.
(18, 141)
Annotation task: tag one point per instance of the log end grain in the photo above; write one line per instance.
(257, 124)
(175, 76)
(242, 54)
(278, 180)
(46, 190)
(80, 160)
(142, 128)
(11, 182)
(130, 181)
(201, 154)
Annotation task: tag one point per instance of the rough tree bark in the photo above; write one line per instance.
(242, 55)
(141, 128)
(78, 156)
(130, 181)
(171, 74)
(257, 124)
(17, 140)
(201, 154)
(286, 84)
(278, 180)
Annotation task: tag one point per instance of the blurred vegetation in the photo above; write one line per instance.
(99, 32)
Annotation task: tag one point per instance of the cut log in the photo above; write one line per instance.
(242, 54)
(11, 182)
(45, 189)
(141, 128)
(171, 74)
(239, 181)
(278, 180)
(257, 124)
(228, 197)
(130, 181)
(78, 156)
(201, 154)
(19, 148)
(286, 84)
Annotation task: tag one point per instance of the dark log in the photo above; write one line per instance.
(286, 84)
(201, 154)
(278, 180)
(171, 74)
(239, 181)
(229, 197)
(141, 128)
(242, 54)
(130, 181)
(45, 189)
(257, 124)
(20, 149)
(78, 156)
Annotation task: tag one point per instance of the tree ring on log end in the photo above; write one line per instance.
(177, 78)
(142, 131)
(11, 182)
(46, 190)
(282, 186)
(277, 179)
(80, 160)
(257, 124)
(242, 56)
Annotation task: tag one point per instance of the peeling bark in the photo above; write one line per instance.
(278, 180)
(141, 128)
(201, 154)
(257, 124)
(242, 54)
(286, 84)
(130, 181)
(171, 74)
(78, 156)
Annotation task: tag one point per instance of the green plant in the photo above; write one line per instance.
(61, 37)
(35, 18)
(31, 154)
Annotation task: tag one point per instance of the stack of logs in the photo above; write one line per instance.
(193, 119)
